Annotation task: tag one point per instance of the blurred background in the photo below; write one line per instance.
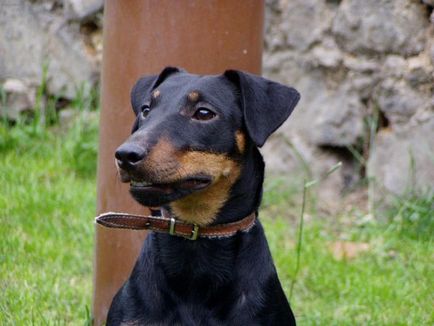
(365, 72)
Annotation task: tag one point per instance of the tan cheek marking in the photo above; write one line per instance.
(193, 96)
(241, 141)
(161, 151)
(201, 207)
(210, 163)
(161, 164)
(156, 93)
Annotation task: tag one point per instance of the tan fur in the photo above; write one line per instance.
(161, 165)
(166, 165)
(241, 141)
(193, 96)
(156, 93)
(202, 207)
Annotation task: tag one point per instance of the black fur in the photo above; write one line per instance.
(226, 281)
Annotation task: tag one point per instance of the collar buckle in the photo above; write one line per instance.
(194, 232)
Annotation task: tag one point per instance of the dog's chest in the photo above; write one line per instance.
(189, 287)
(182, 311)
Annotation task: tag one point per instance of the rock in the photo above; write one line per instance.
(340, 120)
(327, 54)
(288, 61)
(283, 154)
(33, 39)
(363, 84)
(416, 70)
(361, 64)
(432, 53)
(301, 22)
(15, 86)
(381, 26)
(419, 70)
(398, 101)
(394, 66)
(402, 160)
(81, 9)
(329, 113)
(276, 37)
(20, 97)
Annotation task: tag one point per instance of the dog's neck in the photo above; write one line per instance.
(246, 194)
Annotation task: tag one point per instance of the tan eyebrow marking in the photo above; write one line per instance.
(193, 96)
(156, 93)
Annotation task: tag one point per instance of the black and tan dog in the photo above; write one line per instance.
(193, 152)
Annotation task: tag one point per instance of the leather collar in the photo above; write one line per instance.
(175, 227)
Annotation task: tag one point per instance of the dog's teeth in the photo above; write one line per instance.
(140, 183)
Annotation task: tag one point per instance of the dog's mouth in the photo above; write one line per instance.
(156, 194)
(192, 183)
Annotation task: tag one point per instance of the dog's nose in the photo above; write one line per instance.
(130, 154)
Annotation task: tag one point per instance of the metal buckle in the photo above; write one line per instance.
(172, 226)
(194, 232)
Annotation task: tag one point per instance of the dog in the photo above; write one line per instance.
(193, 155)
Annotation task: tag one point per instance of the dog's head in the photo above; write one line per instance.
(190, 136)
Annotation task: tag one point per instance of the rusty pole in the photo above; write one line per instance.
(141, 37)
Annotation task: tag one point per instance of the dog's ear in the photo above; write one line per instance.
(146, 84)
(265, 104)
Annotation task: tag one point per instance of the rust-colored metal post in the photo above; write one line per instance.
(142, 37)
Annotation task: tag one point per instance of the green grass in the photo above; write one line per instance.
(391, 284)
(47, 206)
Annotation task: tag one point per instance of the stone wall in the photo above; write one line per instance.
(57, 42)
(364, 69)
(365, 72)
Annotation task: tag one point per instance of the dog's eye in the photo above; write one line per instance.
(203, 114)
(145, 110)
